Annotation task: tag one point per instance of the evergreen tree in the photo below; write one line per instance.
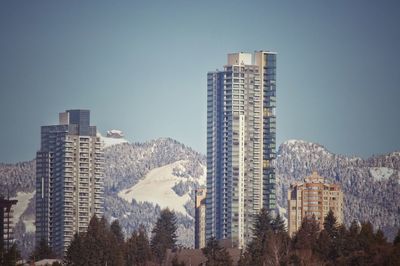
(330, 225)
(11, 256)
(307, 235)
(262, 225)
(164, 235)
(111, 248)
(131, 249)
(99, 246)
(396, 240)
(143, 247)
(394, 257)
(175, 261)
(323, 245)
(278, 224)
(42, 251)
(117, 232)
(94, 243)
(75, 255)
(380, 238)
(366, 236)
(341, 240)
(327, 246)
(304, 242)
(138, 251)
(262, 228)
(117, 244)
(216, 255)
(354, 229)
(351, 239)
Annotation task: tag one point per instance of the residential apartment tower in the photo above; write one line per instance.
(69, 172)
(241, 144)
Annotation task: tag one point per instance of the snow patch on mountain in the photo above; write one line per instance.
(108, 142)
(381, 173)
(283, 213)
(23, 201)
(156, 187)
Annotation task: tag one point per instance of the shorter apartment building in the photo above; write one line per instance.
(6, 222)
(313, 197)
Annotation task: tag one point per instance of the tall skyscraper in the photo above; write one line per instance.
(241, 145)
(69, 172)
(313, 197)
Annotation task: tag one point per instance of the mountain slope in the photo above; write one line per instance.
(140, 177)
(371, 186)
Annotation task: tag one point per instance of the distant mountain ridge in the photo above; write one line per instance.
(371, 186)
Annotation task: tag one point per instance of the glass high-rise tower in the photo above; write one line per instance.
(69, 173)
(241, 145)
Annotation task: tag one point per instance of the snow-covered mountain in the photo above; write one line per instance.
(141, 178)
(371, 186)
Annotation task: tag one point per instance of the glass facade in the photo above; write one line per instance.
(241, 132)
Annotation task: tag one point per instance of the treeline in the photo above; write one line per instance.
(333, 245)
(104, 244)
(9, 257)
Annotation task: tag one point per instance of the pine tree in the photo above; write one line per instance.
(262, 227)
(380, 238)
(354, 229)
(366, 236)
(394, 258)
(323, 245)
(131, 249)
(396, 240)
(330, 225)
(327, 246)
(117, 231)
(304, 242)
(116, 239)
(164, 235)
(42, 251)
(307, 235)
(341, 240)
(76, 252)
(143, 247)
(94, 244)
(175, 261)
(216, 255)
(278, 224)
(11, 256)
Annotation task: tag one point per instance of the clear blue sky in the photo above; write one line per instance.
(141, 67)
